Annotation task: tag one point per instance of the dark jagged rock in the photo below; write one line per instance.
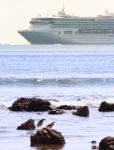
(93, 147)
(47, 136)
(107, 143)
(67, 107)
(82, 111)
(30, 104)
(28, 125)
(49, 147)
(105, 107)
(93, 142)
(56, 112)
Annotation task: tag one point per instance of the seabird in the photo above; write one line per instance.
(50, 125)
(40, 122)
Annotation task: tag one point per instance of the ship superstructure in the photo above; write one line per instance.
(66, 29)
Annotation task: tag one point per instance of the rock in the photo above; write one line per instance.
(67, 107)
(47, 136)
(82, 111)
(105, 107)
(94, 147)
(107, 143)
(28, 125)
(30, 104)
(93, 142)
(56, 112)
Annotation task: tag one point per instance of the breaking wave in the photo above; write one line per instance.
(56, 81)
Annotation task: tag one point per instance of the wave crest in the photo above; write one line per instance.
(56, 81)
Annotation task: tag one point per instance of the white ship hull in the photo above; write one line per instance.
(40, 37)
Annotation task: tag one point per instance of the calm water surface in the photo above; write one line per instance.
(65, 73)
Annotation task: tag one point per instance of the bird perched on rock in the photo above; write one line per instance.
(50, 125)
(40, 122)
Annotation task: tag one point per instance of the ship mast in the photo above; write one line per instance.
(62, 12)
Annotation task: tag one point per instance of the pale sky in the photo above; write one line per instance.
(16, 14)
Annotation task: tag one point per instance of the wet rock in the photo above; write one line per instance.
(49, 147)
(28, 125)
(30, 104)
(67, 107)
(93, 142)
(56, 112)
(94, 147)
(82, 111)
(105, 107)
(47, 136)
(107, 143)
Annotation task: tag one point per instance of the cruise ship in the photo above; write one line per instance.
(67, 29)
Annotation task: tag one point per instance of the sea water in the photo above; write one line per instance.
(73, 75)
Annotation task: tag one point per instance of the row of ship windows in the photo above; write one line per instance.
(87, 31)
(97, 26)
(96, 31)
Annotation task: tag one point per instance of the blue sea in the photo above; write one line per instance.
(73, 75)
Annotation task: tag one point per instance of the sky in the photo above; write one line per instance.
(16, 14)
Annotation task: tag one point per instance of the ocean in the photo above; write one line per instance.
(73, 75)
